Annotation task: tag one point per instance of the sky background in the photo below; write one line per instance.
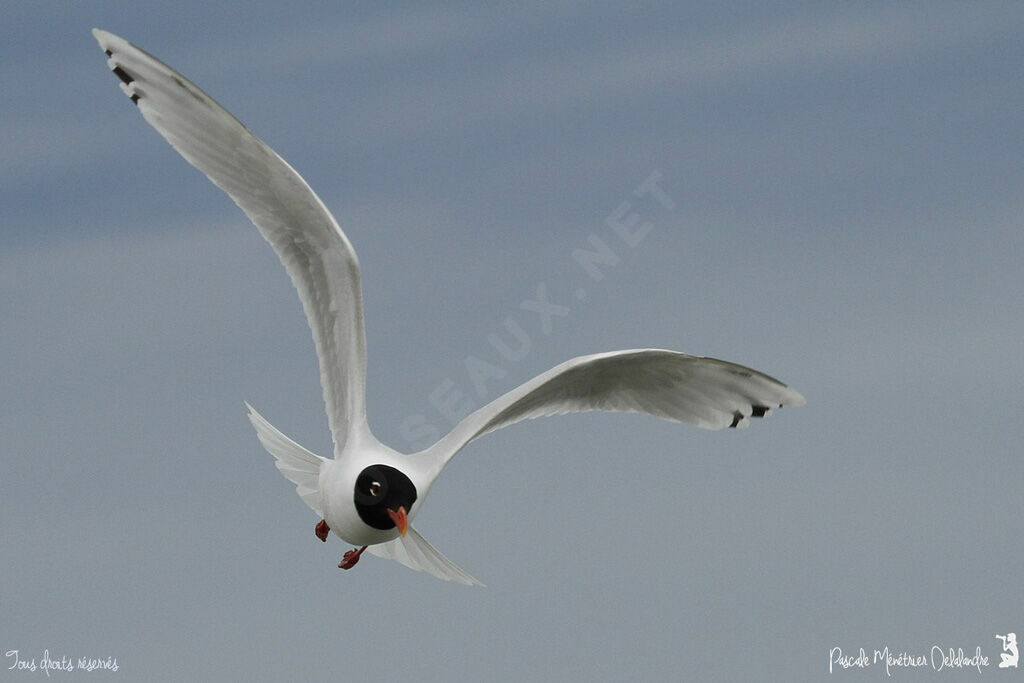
(846, 182)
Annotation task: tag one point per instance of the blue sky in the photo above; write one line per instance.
(847, 217)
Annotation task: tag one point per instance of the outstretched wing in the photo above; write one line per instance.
(704, 392)
(413, 551)
(315, 252)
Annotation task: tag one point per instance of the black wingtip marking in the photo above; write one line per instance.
(135, 99)
(109, 53)
(123, 75)
(736, 418)
(759, 411)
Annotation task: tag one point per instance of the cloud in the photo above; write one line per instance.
(538, 82)
(532, 83)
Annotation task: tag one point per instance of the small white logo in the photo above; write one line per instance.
(1008, 661)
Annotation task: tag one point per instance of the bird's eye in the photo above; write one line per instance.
(375, 488)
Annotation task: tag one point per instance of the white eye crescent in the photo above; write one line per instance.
(375, 488)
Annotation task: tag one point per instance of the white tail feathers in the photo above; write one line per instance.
(414, 552)
(298, 465)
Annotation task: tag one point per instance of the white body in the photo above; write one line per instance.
(323, 267)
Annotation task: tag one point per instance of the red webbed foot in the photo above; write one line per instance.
(349, 559)
(322, 530)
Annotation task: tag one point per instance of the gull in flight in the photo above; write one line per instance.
(368, 494)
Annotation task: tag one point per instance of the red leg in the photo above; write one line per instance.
(322, 530)
(349, 559)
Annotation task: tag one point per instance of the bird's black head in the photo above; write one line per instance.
(383, 497)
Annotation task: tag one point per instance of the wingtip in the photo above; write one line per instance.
(102, 37)
(251, 412)
(108, 41)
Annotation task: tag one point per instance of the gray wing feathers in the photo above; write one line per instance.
(704, 392)
(314, 250)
